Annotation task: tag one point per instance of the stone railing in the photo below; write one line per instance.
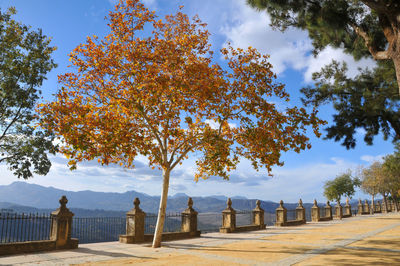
(229, 219)
(281, 215)
(60, 234)
(315, 212)
(135, 224)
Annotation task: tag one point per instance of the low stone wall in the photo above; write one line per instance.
(168, 236)
(291, 223)
(324, 219)
(34, 246)
(26, 247)
(243, 228)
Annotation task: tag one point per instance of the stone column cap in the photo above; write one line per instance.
(258, 207)
(62, 210)
(315, 205)
(281, 207)
(189, 209)
(229, 208)
(136, 209)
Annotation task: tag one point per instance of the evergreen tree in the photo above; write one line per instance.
(362, 28)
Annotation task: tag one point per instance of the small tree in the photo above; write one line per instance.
(25, 60)
(391, 168)
(342, 185)
(155, 96)
(371, 180)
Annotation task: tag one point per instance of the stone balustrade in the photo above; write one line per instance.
(135, 224)
(229, 219)
(315, 212)
(281, 215)
(60, 234)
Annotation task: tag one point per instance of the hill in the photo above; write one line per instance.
(21, 196)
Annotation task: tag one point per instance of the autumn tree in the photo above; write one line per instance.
(342, 185)
(363, 29)
(25, 60)
(151, 86)
(372, 178)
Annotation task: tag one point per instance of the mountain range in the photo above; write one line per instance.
(25, 197)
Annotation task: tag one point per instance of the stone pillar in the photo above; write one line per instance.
(300, 212)
(366, 207)
(347, 208)
(258, 215)
(338, 210)
(134, 225)
(281, 215)
(61, 226)
(328, 210)
(189, 219)
(315, 212)
(360, 207)
(228, 218)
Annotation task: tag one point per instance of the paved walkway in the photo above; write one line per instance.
(362, 240)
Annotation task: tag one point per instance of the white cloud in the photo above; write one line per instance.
(248, 27)
(370, 158)
(327, 55)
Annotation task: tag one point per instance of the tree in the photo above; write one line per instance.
(364, 29)
(391, 167)
(156, 94)
(372, 179)
(25, 60)
(343, 184)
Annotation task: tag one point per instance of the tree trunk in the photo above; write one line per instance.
(372, 205)
(396, 206)
(396, 61)
(385, 202)
(162, 210)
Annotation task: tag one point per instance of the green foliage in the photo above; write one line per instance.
(25, 61)
(342, 185)
(370, 101)
(391, 167)
(372, 178)
(328, 22)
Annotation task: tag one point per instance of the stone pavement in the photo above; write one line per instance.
(361, 240)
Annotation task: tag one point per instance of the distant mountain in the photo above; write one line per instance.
(19, 195)
(180, 195)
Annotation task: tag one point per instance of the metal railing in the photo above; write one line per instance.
(98, 229)
(291, 215)
(172, 223)
(269, 218)
(21, 227)
(244, 217)
(209, 221)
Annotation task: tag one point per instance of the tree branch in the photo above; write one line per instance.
(377, 55)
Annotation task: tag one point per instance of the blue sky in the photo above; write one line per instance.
(302, 176)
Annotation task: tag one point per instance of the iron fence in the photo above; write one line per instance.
(209, 221)
(244, 217)
(172, 223)
(308, 214)
(291, 215)
(269, 218)
(98, 229)
(21, 227)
